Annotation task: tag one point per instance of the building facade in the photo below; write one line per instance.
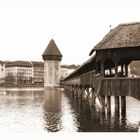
(19, 72)
(2, 71)
(32, 71)
(38, 70)
(66, 70)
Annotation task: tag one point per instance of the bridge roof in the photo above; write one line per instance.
(91, 59)
(124, 35)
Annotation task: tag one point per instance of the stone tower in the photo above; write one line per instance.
(52, 58)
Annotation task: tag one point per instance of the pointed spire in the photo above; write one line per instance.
(52, 52)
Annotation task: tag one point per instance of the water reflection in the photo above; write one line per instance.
(92, 120)
(58, 114)
(53, 110)
(68, 119)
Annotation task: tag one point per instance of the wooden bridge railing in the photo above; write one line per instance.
(88, 79)
(124, 86)
(120, 86)
(73, 81)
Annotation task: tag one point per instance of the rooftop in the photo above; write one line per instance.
(85, 64)
(18, 64)
(2, 62)
(37, 63)
(70, 66)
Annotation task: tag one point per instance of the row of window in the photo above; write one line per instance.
(23, 73)
(24, 70)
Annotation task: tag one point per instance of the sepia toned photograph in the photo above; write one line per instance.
(69, 69)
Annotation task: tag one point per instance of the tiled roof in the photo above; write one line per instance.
(124, 35)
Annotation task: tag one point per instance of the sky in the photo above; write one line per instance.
(27, 26)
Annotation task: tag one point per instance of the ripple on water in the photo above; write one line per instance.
(53, 111)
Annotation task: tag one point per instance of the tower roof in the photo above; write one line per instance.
(52, 52)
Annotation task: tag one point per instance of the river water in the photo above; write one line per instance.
(57, 111)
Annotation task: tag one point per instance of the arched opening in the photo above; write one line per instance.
(123, 67)
(109, 66)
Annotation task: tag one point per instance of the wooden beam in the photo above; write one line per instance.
(126, 70)
(103, 103)
(116, 69)
(108, 104)
(102, 68)
(123, 105)
(117, 103)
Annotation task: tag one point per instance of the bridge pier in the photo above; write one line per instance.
(92, 96)
(83, 93)
(72, 92)
(117, 104)
(103, 103)
(126, 70)
(80, 92)
(88, 92)
(108, 104)
(123, 104)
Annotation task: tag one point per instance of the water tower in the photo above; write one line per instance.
(52, 58)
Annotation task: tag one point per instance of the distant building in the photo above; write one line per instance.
(18, 72)
(2, 71)
(38, 70)
(64, 71)
(28, 72)
(135, 68)
(67, 69)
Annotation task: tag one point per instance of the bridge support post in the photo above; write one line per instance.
(122, 69)
(103, 103)
(88, 93)
(108, 104)
(110, 72)
(72, 91)
(75, 91)
(83, 93)
(123, 105)
(80, 91)
(126, 70)
(77, 95)
(116, 69)
(92, 96)
(117, 104)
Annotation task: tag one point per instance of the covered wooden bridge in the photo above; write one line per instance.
(105, 74)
